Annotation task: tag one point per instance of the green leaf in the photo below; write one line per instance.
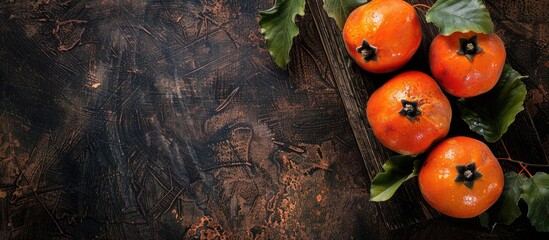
(506, 209)
(397, 170)
(339, 10)
(536, 194)
(460, 16)
(279, 28)
(508, 201)
(491, 114)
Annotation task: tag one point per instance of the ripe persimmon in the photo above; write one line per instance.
(461, 177)
(409, 113)
(382, 35)
(467, 64)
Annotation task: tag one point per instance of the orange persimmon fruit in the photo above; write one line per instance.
(467, 64)
(409, 113)
(382, 36)
(461, 177)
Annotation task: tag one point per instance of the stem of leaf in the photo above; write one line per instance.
(523, 165)
(421, 5)
(526, 170)
(505, 148)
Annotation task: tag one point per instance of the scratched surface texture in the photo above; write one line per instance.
(169, 120)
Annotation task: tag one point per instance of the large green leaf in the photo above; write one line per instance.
(279, 28)
(339, 10)
(536, 194)
(506, 209)
(491, 114)
(397, 170)
(460, 16)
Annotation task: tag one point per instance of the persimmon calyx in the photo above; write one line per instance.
(467, 174)
(469, 47)
(369, 52)
(409, 109)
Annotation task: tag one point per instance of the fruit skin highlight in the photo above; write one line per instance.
(382, 36)
(409, 113)
(467, 64)
(461, 177)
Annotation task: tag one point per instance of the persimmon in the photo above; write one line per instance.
(409, 113)
(382, 35)
(461, 177)
(467, 64)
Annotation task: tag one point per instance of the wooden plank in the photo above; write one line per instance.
(354, 87)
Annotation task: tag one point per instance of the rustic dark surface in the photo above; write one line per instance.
(169, 120)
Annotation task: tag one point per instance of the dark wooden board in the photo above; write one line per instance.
(169, 120)
(354, 87)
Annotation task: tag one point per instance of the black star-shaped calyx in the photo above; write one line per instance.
(469, 47)
(409, 109)
(368, 51)
(467, 174)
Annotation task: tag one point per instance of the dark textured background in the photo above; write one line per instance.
(169, 120)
